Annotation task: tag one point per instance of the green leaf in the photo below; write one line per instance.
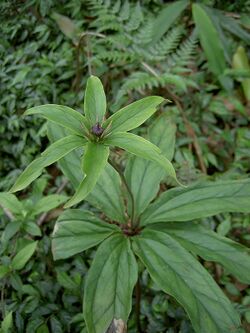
(180, 275)
(143, 176)
(63, 116)
(94, 161)
(7, 323)
(23, 256)
(109, 285)
(10, 230)
(135, 144)
(167, 18)
(107, 195)
(133, 115)
(66, 25)
(10, 201)
(209, 40)
(240, 61)
(199, 201)
(66, 281)
(42, 329)
(233, 26)
(32, 228)
(52, 154)
(211, 246)
(48, 203)
(76, 231)
(3, 271)
(69, 164)
(94, 101)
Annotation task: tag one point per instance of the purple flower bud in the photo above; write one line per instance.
(97, 129)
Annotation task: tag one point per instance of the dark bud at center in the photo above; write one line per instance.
(97, 129)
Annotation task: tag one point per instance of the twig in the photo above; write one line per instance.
(88, 52)
(124, 181)
(78, 46)
(43, 217)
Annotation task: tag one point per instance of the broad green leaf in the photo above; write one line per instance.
(209, 40)
(66, 25)
(10, 230)
(94, 161)
(167, 18)
(199, 201)
(225, 41)
(69, 164)
(78, 230)
(52, 154)
(23, 256)
(143, 176)
(3, 271)
(42, 329)
(233, 26)
(63, 116)
(66, 281)
(180, 275)
(94, 101)
(48, 203)
(240, 61)
(7, 323)
(107, 195)
(32, 228)
(133, 115)
(210, 246)
(109, 284)
(10, 201)
(135, 144)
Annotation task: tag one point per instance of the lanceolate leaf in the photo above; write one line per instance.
(210, 246)
(135, 144)
(107, 195)
(209, 40)
(71, 163)
(167, 18)
(10, 201)
(109, 284)
(49, 202)
(133, 115)
(66, 25)
(23, 256)
(76, 231)
(95, 160)
(94, 101)
(52, 154)
(199, 201)
(144, 176)
(63, 116)
(179, 274)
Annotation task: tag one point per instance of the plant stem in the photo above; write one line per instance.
(124, 181)
(138, 305)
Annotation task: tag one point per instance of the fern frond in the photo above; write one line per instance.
(135, 19)
(167, 44)
(184, 54)
(140, 81)
(144, 35)
(125, 11)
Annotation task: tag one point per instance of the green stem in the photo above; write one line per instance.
(124, 181)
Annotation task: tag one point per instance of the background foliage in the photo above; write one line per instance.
(47, 52)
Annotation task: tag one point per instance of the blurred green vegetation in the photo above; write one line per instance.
(47, 51)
